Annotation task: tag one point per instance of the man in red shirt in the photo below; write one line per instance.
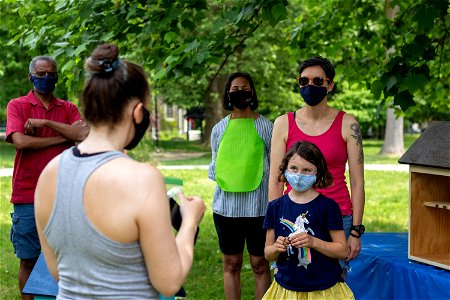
(40, 126)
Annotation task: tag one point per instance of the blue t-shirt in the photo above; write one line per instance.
(321, 214)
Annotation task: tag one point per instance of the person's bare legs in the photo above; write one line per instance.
(261, 272)
(25, 268)
(232, 265)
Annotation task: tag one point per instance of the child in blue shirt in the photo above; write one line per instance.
(305, 233)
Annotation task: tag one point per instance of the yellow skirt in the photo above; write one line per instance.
(339, 291)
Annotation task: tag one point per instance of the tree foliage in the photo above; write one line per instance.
(419, 35)
(186, 45)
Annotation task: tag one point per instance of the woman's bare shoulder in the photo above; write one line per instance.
(349, 119)
(133, 172)
(50, 172)
(281, 120)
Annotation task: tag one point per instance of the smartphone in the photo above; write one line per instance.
(175, 215)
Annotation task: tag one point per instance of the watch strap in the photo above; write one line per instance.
(359, 229)
(354, 235)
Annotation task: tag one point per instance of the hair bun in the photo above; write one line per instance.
(104, 59)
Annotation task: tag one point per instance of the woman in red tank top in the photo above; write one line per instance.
(337, 135)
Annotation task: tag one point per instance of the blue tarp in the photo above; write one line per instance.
(40, 282)
(383, 271)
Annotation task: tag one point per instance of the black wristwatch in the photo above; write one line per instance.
(359, 229)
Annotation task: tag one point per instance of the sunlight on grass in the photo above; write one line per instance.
(372, 150)
(7, 153)
(9, 264)
(387, 197)
(205, 280)
(386, 210)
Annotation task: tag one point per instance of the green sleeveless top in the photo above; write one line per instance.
(240, 157)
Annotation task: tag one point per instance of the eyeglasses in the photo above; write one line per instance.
(42, 74)
(317, 81)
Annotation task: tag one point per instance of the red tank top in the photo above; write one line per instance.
(334, 149)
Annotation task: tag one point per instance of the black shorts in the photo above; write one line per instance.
(233, 233)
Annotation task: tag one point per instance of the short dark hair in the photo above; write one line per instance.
(311, 153)
(226, 101)
(46, 58)
(324, 63)
(111, 84)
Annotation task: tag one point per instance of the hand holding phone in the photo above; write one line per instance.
(175, 210)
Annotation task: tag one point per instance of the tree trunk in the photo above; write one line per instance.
(214, 110)
(393, 137)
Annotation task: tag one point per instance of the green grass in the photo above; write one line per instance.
(386, 211)
(9, 265)
(372, 150)
(146, 152)
(203, 160)
(7, 153)
(182, 146)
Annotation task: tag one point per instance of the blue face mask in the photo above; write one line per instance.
(44, 85)
(300, 182)
(312, 94)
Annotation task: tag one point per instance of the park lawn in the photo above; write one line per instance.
(9, 265)
(145, 151)
(386, 211)
(372, 150)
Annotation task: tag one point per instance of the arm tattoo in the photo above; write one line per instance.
(358, 137)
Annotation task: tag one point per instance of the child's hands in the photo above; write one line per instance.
(302, 239)
(281, 244)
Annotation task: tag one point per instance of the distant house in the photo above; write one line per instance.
(177, 122)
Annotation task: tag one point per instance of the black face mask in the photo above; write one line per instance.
(240, 99)
(313, 95)
(139, 130)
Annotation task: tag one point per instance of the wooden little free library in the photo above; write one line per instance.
(429, 196)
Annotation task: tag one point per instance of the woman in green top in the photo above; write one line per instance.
(240, 146)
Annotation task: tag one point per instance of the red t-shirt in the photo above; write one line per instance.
(334, 150)
(29, 163)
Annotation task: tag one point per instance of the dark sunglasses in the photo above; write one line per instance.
(43, 74)
(317, 81)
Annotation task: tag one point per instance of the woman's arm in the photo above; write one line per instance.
(168, 259)
(43, 206)
(353, 137)
(273, 248)
(278, 148)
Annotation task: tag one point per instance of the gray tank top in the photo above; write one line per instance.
(90, 265)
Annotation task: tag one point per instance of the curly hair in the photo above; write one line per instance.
(312, 154)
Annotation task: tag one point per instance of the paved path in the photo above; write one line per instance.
(6, 172)
(368, 167)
